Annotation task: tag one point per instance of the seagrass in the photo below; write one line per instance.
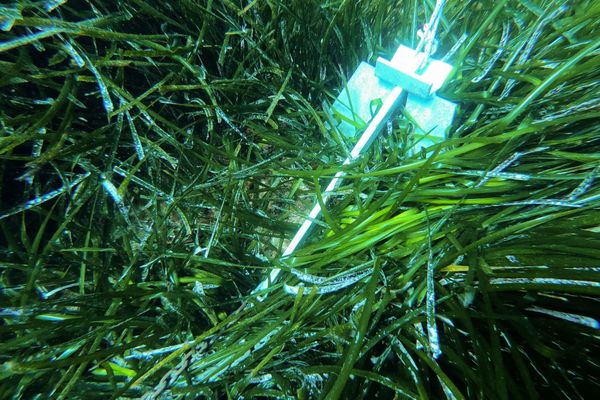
(156, 158)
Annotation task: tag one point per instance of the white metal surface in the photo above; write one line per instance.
(356, 104)
(433, 117)
(403, 71)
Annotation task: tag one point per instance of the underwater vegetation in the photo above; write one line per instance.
(156, 157)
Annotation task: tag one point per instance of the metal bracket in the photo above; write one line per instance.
(403, 71)
(432, 115)
(369, 87)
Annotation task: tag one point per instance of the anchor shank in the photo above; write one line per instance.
(390, 104)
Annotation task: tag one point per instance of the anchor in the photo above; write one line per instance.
(369, 85)
(409, 70)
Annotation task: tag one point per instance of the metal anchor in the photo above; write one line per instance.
(380, 88)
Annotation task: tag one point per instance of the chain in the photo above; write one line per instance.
(427, 34)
